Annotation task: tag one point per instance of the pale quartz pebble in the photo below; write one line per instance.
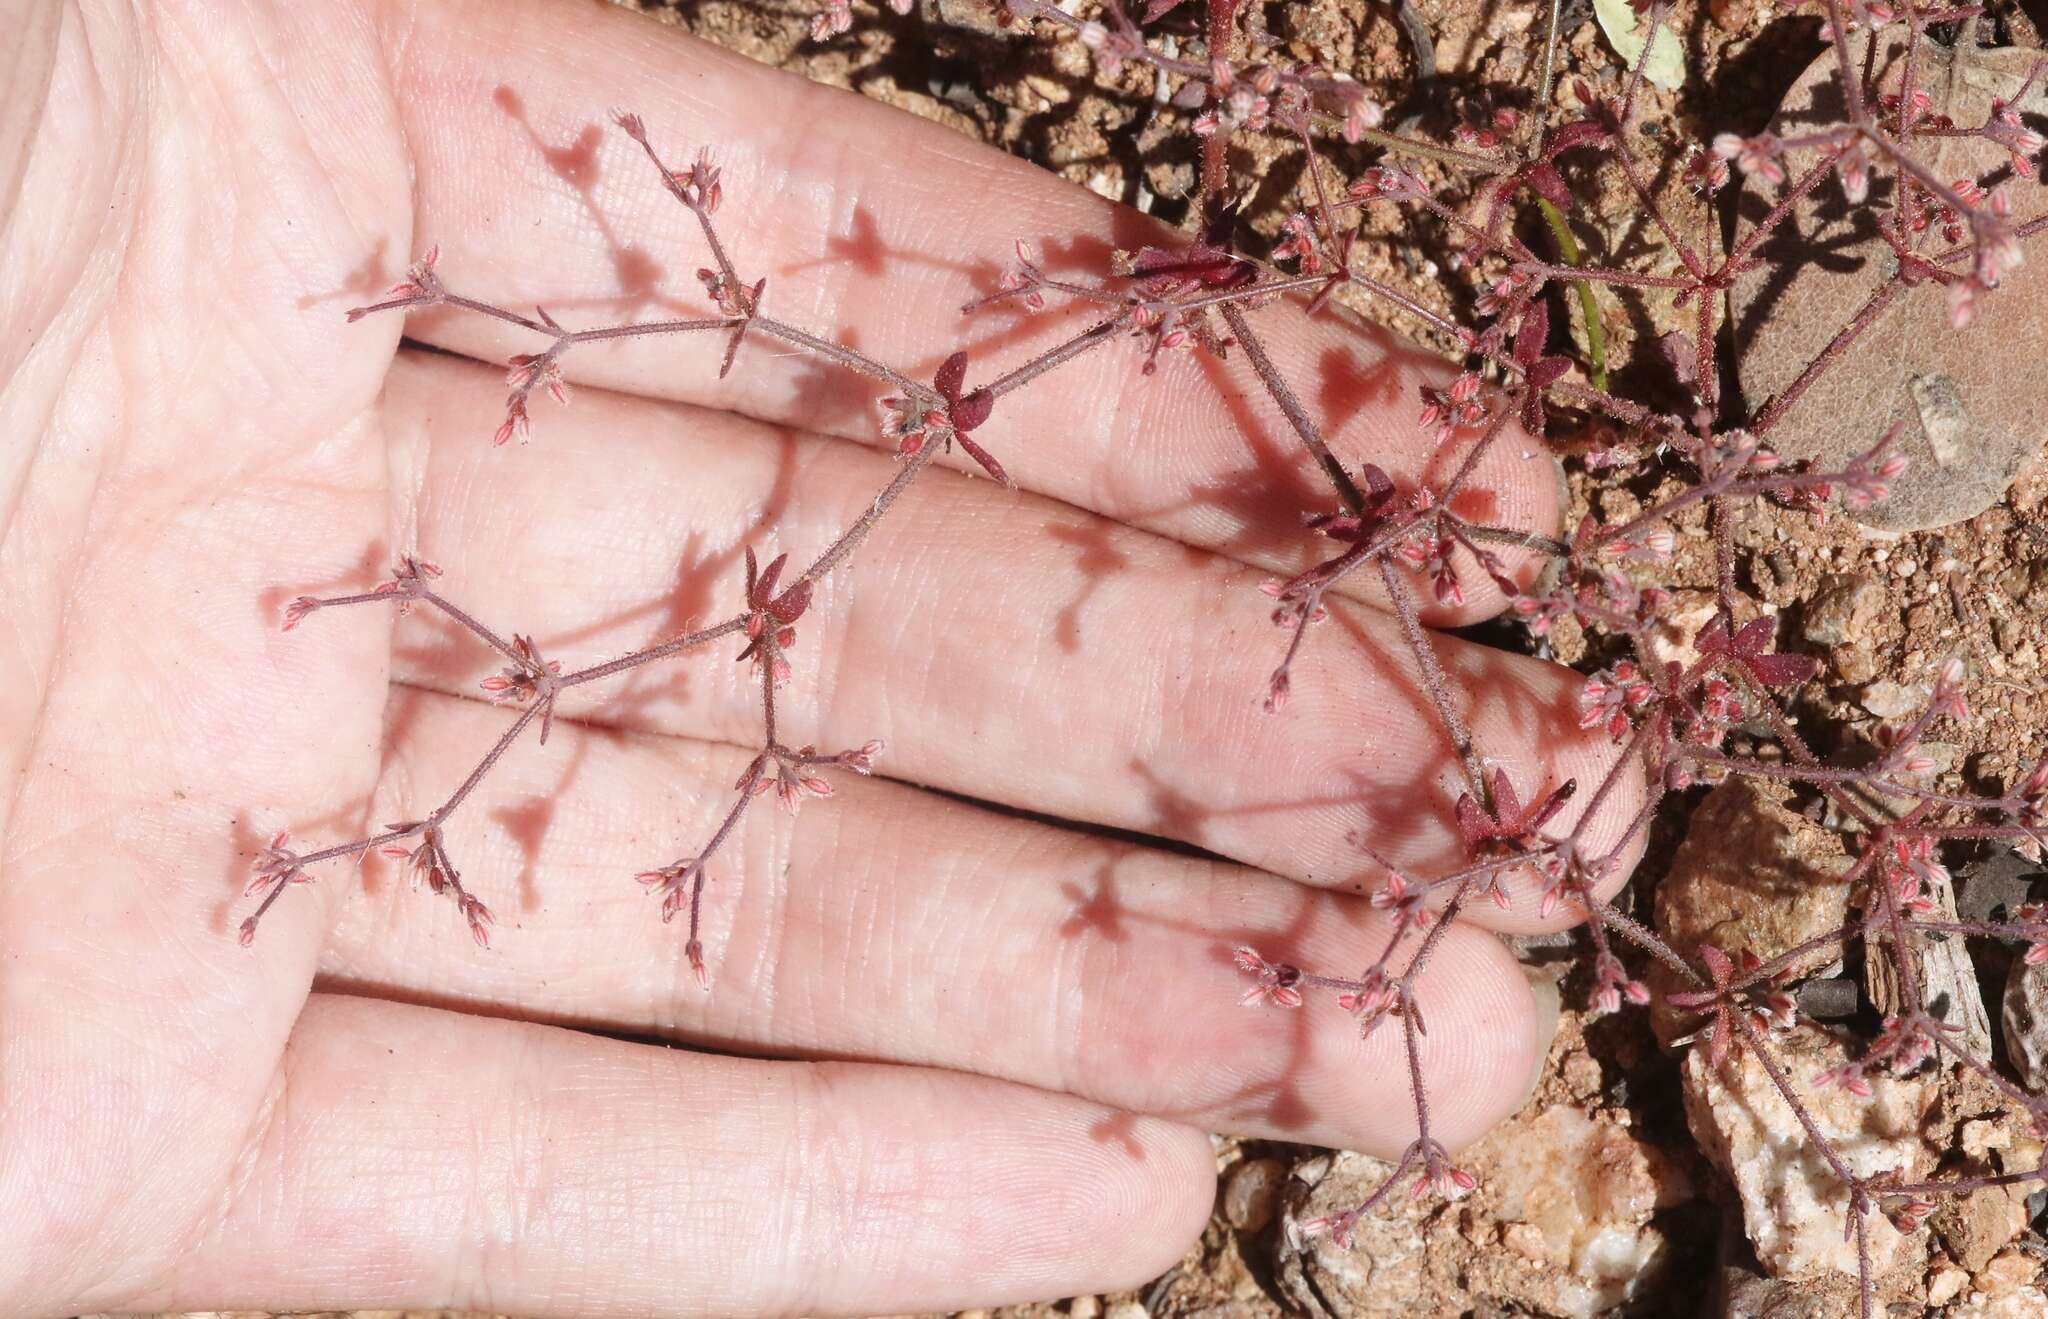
(1945, 1283)
(1588, 1189)
(1794, 1209)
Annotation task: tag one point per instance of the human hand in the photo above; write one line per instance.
(1011, 1033)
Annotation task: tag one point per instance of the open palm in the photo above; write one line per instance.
(1013, 1033)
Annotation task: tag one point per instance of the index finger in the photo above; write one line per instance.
(873, 227)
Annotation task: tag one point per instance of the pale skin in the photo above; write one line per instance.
(996, 1042)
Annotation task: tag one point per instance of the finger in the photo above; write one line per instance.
(894, 925)
(422, 1158)
(1003, 647)
(876, 227)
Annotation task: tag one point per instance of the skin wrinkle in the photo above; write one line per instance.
(917, 526)
(1090, 381)
(244, 1180)
(1023, 933)
(70, 311)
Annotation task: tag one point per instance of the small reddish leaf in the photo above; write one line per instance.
(1544, 180)
(1748, 648)
(1533, 333)
(793, 602)
(971, 411)
(1578, 133)
(952, 373)
(764, 589)
(985, 458)
(1507, 804)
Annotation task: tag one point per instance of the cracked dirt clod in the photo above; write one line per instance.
(1966, 430)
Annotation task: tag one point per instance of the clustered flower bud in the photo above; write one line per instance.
(1614, 697)
(1446, 411)
(1275, 984)
(429, 862)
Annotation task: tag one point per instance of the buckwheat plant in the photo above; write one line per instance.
(1670, 721)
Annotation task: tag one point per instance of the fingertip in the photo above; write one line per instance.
(1140, 1194)
(1490, 1033)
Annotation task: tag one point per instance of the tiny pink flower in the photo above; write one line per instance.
(1757, 155)
(1273, 983)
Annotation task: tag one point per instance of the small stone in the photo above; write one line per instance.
(1730, 15)
(1794, 1209)
(1581, 1076)
(1128, 1310)
(1888, 699)
(1855, 663)
(1558, 1187)
(1084, 1307)
(1750, 875)
(2026, 1303)
(1381, 1271)
(2006, 1274)
(1975, 1227)
(1965, 433)
(1983, 1135)
(1945, 1282)
(1588, 1189)
(1843, 611)
(1670, 638)
(1252, 1193)
(2004, 879)
(1831, 999)
(1049, 90)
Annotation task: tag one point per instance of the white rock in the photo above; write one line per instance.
(1794, 1208)
(1895, 700)
(1945, 1283)
(1559, 1189)
(1589, 1188)
(2026, 1303)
